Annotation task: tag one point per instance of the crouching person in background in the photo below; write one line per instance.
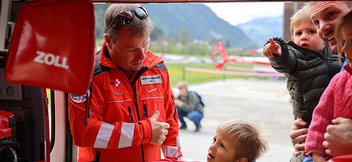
(189, 105)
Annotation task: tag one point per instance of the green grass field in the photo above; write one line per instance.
(177, 73)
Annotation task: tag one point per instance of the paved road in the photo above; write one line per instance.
(261, 101)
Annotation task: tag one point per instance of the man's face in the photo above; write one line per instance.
(305, 35)
(222, 149)
(325, 16)
(129, 50)
(347, 39)
(182, 90)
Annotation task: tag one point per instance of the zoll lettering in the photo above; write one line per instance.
(51, 59)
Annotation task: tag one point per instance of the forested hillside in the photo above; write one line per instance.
(188, 21)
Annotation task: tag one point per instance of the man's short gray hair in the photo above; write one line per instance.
(142, 27)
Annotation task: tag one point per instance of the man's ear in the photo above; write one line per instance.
(242, 159)
(108, 41)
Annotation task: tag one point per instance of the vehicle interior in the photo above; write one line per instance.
(40, 130)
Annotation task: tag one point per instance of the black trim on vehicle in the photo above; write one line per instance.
(52, 113)
(69, 141)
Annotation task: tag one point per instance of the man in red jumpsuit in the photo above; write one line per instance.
(128, 113)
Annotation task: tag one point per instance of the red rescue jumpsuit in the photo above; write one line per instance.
(118, 128)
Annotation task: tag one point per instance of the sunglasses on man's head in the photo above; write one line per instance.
(126, 17)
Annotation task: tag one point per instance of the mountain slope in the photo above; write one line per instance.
(262, 29)
(200, 22)
(197, 21)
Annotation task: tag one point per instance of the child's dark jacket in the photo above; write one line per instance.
(308, 74)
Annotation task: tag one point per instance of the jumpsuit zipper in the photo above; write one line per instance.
(133, 84)
(130, 113)
(135, 101)
(97, 158)
(145, 110)
(138, 116)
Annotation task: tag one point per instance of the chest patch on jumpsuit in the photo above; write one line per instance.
(151, 79)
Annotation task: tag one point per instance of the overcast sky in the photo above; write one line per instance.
(241, 12)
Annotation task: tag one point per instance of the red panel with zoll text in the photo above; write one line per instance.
(53, 45)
